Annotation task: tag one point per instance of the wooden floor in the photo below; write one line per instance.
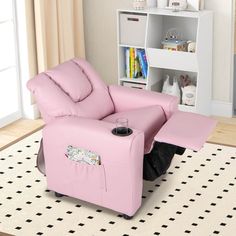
(224, 133)
(18, 130)
(4, 234)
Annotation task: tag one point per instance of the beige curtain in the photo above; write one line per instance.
(55, 32)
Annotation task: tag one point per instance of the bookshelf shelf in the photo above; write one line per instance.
(187, 108)
(147, 29)
(134, 80)
(130, 46)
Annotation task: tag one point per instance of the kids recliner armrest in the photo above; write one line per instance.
(125, 98)
(116, 183)
(80, 110)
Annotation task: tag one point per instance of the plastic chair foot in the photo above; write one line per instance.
(127, 217)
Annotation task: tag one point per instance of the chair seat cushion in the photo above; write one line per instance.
(148, 119)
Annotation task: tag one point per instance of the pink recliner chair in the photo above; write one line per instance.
(80, 110)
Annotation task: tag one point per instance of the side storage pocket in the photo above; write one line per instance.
(85, 181)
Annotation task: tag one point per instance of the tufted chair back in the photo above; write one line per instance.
(71, 89)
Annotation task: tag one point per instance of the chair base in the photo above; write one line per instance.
(127, 217)
(58, 194)
(124, 215)
(180, 150)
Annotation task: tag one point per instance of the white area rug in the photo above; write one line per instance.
(197, 197)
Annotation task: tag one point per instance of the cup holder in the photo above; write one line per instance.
(122, 131)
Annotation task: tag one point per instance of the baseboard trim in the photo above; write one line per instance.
(224, 109)
(31, 112)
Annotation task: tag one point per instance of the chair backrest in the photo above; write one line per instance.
(72, 88)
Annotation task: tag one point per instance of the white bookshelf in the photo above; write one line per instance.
(195, 26)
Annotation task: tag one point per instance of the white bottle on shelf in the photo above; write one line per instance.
(151, 3)
(162, 3)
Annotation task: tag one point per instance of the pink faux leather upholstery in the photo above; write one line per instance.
(116, 183)
(147, 119)
(80, 110)
(125, 99)
(186, 128)
(54, 98)
(70, 77)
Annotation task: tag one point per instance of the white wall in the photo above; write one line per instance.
(223, 48)
(100, 35)
(101, 51)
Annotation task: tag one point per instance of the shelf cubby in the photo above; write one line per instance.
(122, 67)
(158, 75)
(162, 24)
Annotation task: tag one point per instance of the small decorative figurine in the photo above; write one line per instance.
(139, 4)
(173, 41)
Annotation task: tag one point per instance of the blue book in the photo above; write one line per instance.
(143, 62)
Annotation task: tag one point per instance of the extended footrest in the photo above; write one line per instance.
(185, 129)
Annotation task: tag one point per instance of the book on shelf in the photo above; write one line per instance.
(135, 63)
(143, 62)
(138, 72)
(132, 64)
(127, 62)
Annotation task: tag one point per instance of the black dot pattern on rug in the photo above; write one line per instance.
(206, 176)
(134, 228)
(216, 232)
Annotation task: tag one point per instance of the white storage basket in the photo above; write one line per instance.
(132, 29)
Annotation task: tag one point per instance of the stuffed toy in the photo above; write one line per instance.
(185, 81)
(171, 89)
